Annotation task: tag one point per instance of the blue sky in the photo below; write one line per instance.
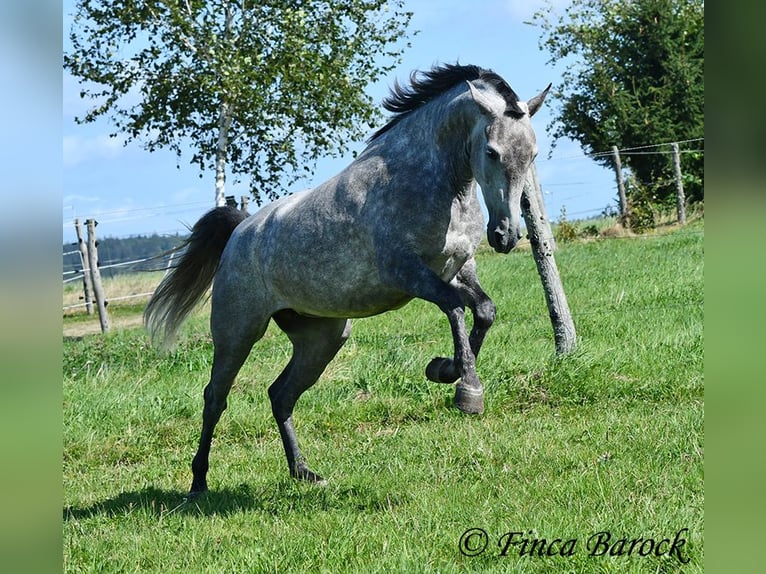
(130, 191)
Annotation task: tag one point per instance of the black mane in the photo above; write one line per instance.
(425, 86)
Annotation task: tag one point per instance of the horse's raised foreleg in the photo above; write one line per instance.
(420, 281)
(469, 392)
(315, 343)
(482, 307)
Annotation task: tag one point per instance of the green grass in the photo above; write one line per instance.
(609, 438)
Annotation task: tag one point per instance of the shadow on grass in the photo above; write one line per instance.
(285, 497)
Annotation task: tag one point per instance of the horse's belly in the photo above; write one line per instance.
(341, 298)
(337, 280)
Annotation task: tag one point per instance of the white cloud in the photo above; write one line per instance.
(523, 10)
(190, 194)
(78, 149)
(78, 198)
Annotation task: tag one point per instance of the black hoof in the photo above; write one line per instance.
(469, 400)
(305, 474)
(441, 370)
(198, 485)
(195, 494)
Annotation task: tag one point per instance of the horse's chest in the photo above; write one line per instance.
(460, 244)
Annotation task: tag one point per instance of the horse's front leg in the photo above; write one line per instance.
(415, 278)
(482, 307)
(469, 392)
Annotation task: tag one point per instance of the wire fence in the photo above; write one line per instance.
(638, 150)
(76, 269)
(160, 262)
(195, 208)
(163, 262)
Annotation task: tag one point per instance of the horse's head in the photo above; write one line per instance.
(503, 146)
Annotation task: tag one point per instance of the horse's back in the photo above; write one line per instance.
(309, 253)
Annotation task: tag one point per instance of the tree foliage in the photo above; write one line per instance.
(634, 78)
(261, 89)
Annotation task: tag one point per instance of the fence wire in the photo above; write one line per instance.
(603, 309)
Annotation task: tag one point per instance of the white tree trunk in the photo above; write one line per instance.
(224, 122)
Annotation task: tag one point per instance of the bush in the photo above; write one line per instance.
(565, 231)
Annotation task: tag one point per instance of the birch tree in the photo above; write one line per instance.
(259, 90)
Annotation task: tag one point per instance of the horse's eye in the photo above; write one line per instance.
(492, 154)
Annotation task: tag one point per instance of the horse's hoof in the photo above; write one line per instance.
(441, 370)
(197, 488)
(194, 494)
(305, 474)
(469, 400)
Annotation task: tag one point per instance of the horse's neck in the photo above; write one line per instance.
(452, 130)
(435, 141)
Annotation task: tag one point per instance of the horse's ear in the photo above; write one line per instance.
(534, 103)
(481, 99)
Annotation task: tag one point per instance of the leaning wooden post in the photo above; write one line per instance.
(680, 198)
(621, 187)
(541, 205)
(95, 275)
(541, 239)
(87, 285)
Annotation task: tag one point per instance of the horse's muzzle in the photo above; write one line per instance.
(502, 240)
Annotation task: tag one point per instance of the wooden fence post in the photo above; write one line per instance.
(543, 215)
(680, 198)
(95, 275)
(624, 212)
(87, 285)
(541, 240)
(243, 202)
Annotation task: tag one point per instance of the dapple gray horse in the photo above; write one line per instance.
(402, 221)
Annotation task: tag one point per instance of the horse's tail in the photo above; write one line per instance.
(187, 281)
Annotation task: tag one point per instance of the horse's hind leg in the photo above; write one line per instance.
(315, 342)
(233, 336)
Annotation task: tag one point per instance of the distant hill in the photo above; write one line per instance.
(113, 250)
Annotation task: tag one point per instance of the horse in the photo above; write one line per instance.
(402, 221)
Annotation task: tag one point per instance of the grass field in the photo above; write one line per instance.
(606, 440)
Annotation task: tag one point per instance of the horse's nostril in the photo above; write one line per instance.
(499, 237)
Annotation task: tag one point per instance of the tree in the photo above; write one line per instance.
(635, 79)
(261, 89)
